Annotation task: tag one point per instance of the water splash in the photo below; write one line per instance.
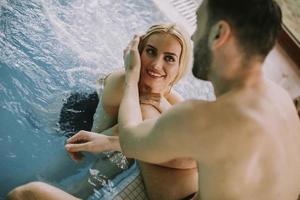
(98, 180)
(118, 159)
(49, 49)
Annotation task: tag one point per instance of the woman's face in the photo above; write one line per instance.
(160, 62)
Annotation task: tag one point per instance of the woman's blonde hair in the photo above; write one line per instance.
(182, 36)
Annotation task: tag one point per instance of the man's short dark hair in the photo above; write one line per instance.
(256, 23)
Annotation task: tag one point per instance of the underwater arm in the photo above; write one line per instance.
(107, 110)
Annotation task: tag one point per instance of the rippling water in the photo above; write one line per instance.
(48, 49)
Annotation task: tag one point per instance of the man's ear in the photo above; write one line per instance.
(220, 34)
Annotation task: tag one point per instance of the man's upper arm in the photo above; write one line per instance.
(162, 139)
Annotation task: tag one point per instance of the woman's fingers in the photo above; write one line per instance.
(133, 45)
(77, 147)
(78, 142)
(125, 53)
(74, 150)
(135, 42)
(132, 60)
(76, 156)
(81, 136)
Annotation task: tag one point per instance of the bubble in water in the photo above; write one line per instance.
(11, 155)
(9, 139)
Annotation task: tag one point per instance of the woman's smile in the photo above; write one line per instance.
(154, 74)
(160, 62)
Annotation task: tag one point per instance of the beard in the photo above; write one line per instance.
(202, 59)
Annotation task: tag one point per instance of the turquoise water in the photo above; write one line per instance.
(49, 49)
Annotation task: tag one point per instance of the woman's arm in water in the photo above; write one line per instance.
(109, 100)
(107, 140)
(91, 142)
(105, 121)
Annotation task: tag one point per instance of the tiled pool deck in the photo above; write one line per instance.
(291, 17)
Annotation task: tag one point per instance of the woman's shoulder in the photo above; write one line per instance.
(114, 81)
(115, 78)
(113, 89)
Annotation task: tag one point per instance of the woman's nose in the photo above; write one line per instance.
(157, 63)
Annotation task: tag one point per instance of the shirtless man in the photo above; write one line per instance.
(247, 142)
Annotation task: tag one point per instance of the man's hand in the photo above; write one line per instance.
(132, 60)
(90, 142)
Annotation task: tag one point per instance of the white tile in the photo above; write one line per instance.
(281, 69)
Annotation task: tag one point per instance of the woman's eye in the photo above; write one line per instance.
(150, 51)
(169, 59)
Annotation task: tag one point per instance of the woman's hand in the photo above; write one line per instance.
(90, 142)
(132, 60)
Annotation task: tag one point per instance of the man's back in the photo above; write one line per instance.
(257, 156)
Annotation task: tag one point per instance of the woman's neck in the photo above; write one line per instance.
(157, 99)
(146, 91)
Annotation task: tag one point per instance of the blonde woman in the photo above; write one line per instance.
(166, 54)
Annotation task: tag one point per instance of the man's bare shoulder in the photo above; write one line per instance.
(191, 115)
(192, 107)
(212, 128)
(185, 111)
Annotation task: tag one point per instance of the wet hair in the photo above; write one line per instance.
(183, 38)
(256, 23)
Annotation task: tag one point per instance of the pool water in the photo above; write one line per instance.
(50, 49)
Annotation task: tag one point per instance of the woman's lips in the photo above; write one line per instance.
(153, 74)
